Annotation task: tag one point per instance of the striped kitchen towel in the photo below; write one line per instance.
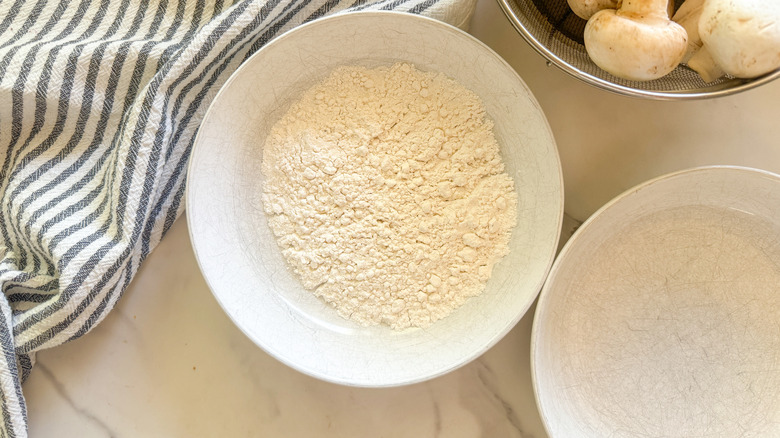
(100, 101)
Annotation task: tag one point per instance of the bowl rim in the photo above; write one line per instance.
(510, 324)
(624, 90)
(543, 298)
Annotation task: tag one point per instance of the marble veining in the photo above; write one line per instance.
(488, 379)
(167, 362)
(60, 390)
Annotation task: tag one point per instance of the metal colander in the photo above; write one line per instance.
(551, 28)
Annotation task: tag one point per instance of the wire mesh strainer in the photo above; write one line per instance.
(554, 31)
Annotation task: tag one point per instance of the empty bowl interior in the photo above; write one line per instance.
(660, 316)
(239, 256)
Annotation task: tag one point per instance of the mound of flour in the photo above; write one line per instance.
(387, 195)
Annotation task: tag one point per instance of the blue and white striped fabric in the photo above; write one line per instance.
(100, 101)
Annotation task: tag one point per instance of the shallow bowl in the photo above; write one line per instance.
(237, 252)
(660, 315)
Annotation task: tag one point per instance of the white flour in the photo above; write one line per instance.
(387, 195)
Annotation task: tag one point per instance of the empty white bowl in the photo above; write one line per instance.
(238, 254)
(661, 315)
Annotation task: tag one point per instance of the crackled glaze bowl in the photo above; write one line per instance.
(661, 315)
(236, 250)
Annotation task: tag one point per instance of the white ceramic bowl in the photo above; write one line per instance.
(661, 315)
(239, 256)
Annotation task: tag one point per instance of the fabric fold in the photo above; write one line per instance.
(100, 104)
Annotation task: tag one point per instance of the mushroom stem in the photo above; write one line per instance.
(688, 17)
(702, 63)
(645, 9)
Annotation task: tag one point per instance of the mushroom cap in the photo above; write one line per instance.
(743, 36)
(586, 8)
(632, 47)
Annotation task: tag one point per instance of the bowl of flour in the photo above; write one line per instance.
(375, 198)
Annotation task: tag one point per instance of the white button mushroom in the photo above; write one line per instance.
(742, 36)
(586, 8)
(702, 63)
(699, 60)
(638, 41)
(688, 17)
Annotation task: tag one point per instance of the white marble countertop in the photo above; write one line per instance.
(168, 362)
